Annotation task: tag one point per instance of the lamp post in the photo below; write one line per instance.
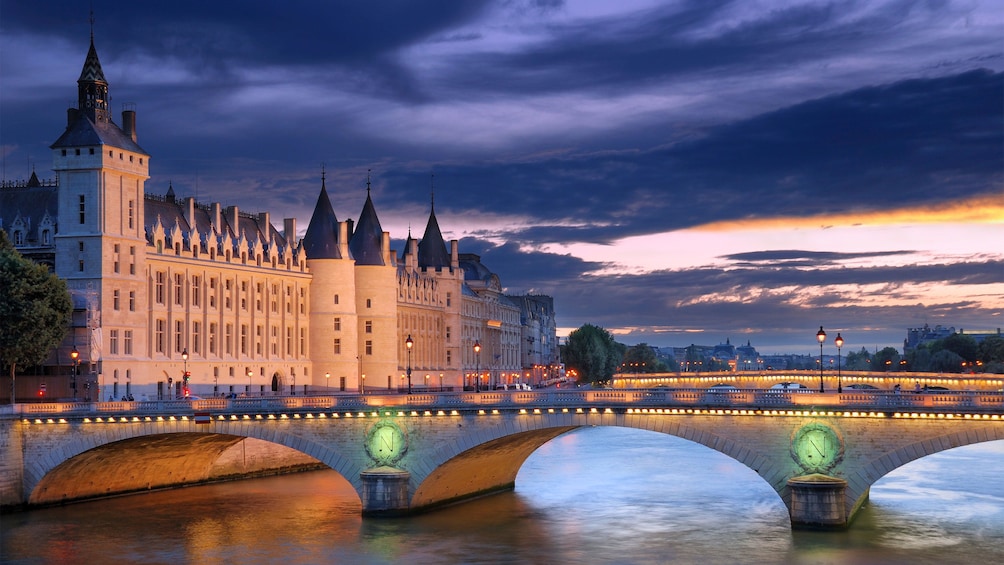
(477, 366)
(249, 380)
(840, 343)
(184, 357)
(409, 343)
(75, 358)
(821, 336)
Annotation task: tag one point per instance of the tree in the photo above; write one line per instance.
(858, 361)
(887, 359)
(641, 359)
(592, 351)
(35, 310)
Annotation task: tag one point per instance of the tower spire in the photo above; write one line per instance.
(368, 183)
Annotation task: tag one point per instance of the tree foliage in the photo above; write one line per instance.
(641, 358)
(35, 309)
(593, 353)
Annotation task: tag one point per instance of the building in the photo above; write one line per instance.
(174, 296)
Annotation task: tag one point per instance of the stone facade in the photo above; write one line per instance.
(174, 296)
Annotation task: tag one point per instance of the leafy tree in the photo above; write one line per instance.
(592, 351)
(960, 344)
(992, 349)
(887, 359)
(35, 310)
(946, 361)
(919, 359)
(858, 361)
(641, 359)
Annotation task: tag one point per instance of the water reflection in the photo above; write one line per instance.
(599, 495)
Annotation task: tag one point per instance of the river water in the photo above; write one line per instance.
(596, 495)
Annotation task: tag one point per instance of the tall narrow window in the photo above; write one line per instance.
(158, 287)
(115, 299)
(132, 300)
(369, 327)
(127, 342)
(113, 342)
(337, 347)
(132, 213)
(82, 208)
(159, 337)
(369, 347)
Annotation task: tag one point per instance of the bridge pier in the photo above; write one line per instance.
(817, 503)
(385, 491)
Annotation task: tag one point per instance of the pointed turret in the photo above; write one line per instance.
(367, 239)
(92, 88)
(432, 252)
(321, 239)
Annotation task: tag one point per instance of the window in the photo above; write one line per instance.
(115, 262)
(449, 357)
(369, 326)
(336, 299)
(158, 336)
(80, 265)
(244, 339)
(196, 296)
(113, 342)
(81, 208)
(212, 338)
(228, 337)
(226, 293)
(369, 347)
(132, 300)
(196, 336)
(132, 259)
(127, 342)
(158, 288)
(289, 340)
(18, 237)
(115, 299)
(132, 214)
(448, 332)
(179, 289)
(179, 336)
(369, 302)
(449, 299)
(338, 324)
(275, 340)
(259, 337)
(212, 293)
(45, 237)
(338, 346)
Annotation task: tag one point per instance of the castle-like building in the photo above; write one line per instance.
(174, 297)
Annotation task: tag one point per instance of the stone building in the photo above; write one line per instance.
(174, 296)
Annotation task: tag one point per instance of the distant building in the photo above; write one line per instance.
(172, 295)
(915, 337)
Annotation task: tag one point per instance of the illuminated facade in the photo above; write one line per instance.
(165, 288)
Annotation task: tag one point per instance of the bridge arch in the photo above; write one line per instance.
(134, 458)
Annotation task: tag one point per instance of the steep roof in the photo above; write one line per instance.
(366, 243)
(321, 239)
(432, 251)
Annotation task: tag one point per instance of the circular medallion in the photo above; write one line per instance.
(817, 447)
(386, 442)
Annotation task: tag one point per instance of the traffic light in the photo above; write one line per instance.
(188, 376)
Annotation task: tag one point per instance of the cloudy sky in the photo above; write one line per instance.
(677, 172)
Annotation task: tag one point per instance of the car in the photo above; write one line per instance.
(191, 397)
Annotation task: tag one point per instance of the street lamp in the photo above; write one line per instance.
(75, 357)
(249, 380)
(840, 343)
(821, 336)
(409, 343)
(184, 357)
(477, 366)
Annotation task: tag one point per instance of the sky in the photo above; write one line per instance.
(677, 172)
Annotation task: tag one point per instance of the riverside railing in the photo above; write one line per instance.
(749, 399)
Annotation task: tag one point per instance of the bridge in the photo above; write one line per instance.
(820, 452)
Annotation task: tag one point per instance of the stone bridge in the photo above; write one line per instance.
(409, 453)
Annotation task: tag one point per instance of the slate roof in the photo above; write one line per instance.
(83, 132)
(321, 239)
(366, 243)
(432, 251)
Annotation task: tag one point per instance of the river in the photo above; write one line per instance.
(596, 495)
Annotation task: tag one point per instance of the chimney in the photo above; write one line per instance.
(215, 215)
(129, 123)
(289, 231)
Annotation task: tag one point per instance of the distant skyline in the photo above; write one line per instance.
(678, 172)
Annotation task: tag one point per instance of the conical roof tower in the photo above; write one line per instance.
(321, 239)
